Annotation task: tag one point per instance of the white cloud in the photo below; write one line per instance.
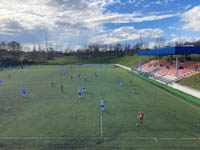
(147, 5)
(65, 21)
(160, 2)
(188, 6)
(105, 3)
(126, 33)
(173, 35)
(183, 39)
(131, 1)
(151, 45)
(192, 19)
(198, 39)
(156, 2)
(151, 18)
(174, 28)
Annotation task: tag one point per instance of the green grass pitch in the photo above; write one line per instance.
(47, 118)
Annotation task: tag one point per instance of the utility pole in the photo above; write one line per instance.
(46, 43)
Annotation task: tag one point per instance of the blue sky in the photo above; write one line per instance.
(77, 23)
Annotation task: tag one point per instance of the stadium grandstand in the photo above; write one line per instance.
(170, 70)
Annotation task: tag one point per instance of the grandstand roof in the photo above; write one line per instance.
(172, 51)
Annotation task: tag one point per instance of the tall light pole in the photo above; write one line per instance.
(46, 43)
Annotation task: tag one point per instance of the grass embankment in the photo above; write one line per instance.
(130, 61)
(193, 81)
(66, 60)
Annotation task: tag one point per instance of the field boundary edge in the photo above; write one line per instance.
(169, 89)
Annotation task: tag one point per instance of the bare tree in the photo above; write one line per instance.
(15, 50)
(2, 45)
(50, 53)
(137, 47)
(160, 42)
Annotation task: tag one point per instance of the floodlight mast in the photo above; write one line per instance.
(46, 43)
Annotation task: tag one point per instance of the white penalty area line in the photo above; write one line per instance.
(3, 123)
(97, 138)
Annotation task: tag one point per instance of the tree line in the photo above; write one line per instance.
(13, 54)
(103, 51)
(117, 50)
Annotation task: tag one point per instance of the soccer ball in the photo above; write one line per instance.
(137, 124)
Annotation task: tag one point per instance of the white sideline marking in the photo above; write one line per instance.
(101, 121)
(180, 100)
(153, 138)
(97, 138)
(6, 122)
(189, 104)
